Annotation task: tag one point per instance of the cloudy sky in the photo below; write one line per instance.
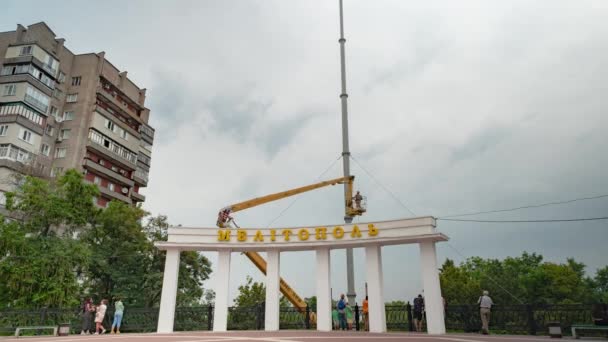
(455, 107)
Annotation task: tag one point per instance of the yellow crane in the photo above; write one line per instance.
(353, 206)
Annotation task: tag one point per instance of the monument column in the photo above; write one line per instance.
(220, 313)
(273, 279)
(166, 313)
(433, 302)
(375, 286)
(323, 290)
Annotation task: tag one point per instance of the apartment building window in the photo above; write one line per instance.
(57, 93)
(102, 162)
(50, 131)
(71, 98)
(54, 112)
(50, 64)
(97, 180)
(25, 135)
(8, 151)
(28, 69)
(37, 99)
(26, 51)
(10, 90)
(65, 133)
(3, 130)
(76, 81)
(111, 186)
(60, 152)
(45, 149)
(61, 77)
(110, 125)
(67, 116)
(56, 171)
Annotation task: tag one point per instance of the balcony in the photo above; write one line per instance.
(113, 99)
(17, 78)
(37, 103)
(115, 152)
(137, 197)
(119, 122)
(112, 194)
(15, 118)
(140, 177)
(91, 165)
(147, 133)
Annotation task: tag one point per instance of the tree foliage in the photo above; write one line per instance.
(62, 247)
(524, 279)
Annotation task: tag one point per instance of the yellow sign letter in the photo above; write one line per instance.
(241, 235)
(372, 230)
(338, 232)
(223, 235)
(273, 235)
(258, 236)
(356, 233)
(303, 234)
(321, 233)
(286, 233)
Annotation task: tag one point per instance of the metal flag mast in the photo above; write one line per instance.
(350, 271)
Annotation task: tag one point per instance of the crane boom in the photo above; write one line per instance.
(224, 214)
(280, 195)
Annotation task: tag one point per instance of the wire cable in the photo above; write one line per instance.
(382, 186)
(298, 197)
(527, 206)
(527, 221)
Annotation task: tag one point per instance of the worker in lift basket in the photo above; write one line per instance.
(224, 216)
(358, 198)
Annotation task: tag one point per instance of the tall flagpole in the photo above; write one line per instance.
(350, 270)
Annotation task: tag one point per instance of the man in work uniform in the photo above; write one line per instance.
(485, 306)
(358, 198)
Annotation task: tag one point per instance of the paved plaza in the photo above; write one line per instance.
(283, 336)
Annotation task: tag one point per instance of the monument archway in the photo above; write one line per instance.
(370, 236)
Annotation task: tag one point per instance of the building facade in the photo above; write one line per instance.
(60, 110)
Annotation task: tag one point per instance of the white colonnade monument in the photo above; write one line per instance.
(321, 239)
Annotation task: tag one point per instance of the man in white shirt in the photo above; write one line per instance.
(485, 306)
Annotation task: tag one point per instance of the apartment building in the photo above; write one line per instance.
(60, 110)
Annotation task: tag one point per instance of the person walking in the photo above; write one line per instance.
(86, 311)
(348, 310)
(341, 306)
(485, 307)
(99, 316)
(119, 308)
(418, 310)
(365, 314)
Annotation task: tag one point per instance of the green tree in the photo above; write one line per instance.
(120, 253)
(524, 279)
(40, 263)
(600, 285)
(194, 269)
(250, 294)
